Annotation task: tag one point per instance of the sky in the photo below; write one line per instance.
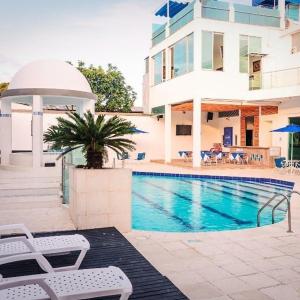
(97, 32)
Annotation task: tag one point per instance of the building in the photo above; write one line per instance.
(230, 70)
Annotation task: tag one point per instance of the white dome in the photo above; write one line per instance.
(49, 74)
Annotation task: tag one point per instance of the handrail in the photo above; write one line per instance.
(284, 197)
(288, 210)
(264, 206)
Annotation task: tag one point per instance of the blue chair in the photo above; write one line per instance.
(141, 156)
(280, 163)
(123, 156)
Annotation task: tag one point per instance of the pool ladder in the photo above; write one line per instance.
(281, 200)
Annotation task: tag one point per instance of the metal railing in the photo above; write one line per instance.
(282, 199)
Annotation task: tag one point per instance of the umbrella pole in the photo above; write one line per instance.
(292, 151)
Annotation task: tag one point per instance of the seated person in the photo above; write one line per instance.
(217, 148)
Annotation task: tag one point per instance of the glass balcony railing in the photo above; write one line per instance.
(182, 18)
(159, 35)
(256, 15)
(216, 10)
(281, 78)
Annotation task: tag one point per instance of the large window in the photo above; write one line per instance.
(212, 50)
(182, 56)
(249, 45)
(159, 67)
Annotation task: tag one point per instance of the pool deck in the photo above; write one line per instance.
(250, 264)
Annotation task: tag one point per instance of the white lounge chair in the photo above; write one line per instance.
(66, 285)
(52, 245)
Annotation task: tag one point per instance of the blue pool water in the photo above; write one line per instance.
(179, 204)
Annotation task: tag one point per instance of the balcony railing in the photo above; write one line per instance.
(281, 78)
(159, 35)
(216, 10)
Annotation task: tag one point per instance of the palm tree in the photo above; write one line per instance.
(95, 137)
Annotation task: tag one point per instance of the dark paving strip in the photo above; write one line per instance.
(166, 212)
(229, 192)
(109, 248)
(211, 209)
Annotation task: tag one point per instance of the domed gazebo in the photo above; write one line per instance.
(39, 84)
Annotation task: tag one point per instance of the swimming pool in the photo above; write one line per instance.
(179, 203)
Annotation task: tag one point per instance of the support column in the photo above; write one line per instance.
(281, 7)
(196, 132)
(5, 132)
(37, 131)
(168, 133)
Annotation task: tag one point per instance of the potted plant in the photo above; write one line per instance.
(99, 197)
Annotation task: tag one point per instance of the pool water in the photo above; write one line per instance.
(179, 204)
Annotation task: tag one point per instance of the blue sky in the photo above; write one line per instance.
(95, 31)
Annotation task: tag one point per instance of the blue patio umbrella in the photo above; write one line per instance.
(136, 130)
(292, 128)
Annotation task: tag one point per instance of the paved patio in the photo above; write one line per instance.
(253, 264)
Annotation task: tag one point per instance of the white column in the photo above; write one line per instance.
(198, 9)
(168, 133)
(231, 12)
(196, 132)
(197, 49)
(281, 7)
(5, 132)
(37, 131)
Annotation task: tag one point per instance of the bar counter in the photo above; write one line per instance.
(262, 156)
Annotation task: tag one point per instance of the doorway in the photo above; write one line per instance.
(249, 130)
(255, 72)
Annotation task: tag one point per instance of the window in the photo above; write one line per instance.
(182, 56)
(249, 45)
(159, 67)
(296, 42)
(212, 51)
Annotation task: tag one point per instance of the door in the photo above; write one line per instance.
(227, 137)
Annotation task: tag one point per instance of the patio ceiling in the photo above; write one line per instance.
(212, 107)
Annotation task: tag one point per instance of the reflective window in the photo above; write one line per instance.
(212, 51)
(182, 56)
(249, 45)
(159, 61)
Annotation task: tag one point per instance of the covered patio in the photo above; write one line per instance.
(201, 125)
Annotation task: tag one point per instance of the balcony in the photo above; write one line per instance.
(281, 78)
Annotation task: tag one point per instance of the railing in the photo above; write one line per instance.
(159, 35)
(256, 15)
(182, 18)
(281, 78)
(282, 199)
(216, 10)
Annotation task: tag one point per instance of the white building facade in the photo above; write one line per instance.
(226, 69)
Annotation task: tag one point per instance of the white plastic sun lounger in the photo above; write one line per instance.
(52, 245)
(66, 285)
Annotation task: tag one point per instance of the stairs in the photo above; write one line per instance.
(33, 200)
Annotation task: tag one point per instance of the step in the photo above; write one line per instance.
(27, 202)
(28, 185)
(29, 192)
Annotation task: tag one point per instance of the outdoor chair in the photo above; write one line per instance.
(66, 285)
(51, 245)
(141, 156)
(280, 163)
(205, 158)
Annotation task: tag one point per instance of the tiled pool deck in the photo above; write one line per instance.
(252, 264)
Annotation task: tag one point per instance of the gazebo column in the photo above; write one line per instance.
(37, 131)
(5, 132)
(197, 132)
(168, 133)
